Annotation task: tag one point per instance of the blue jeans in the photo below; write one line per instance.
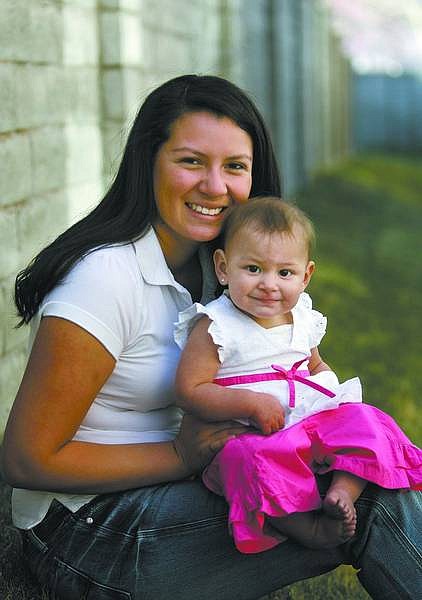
(171, 541)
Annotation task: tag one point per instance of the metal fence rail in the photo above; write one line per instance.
(294, 66)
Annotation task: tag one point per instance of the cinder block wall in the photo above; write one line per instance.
(74, 72)
(50, 143)
(143, 43)
(72, 75)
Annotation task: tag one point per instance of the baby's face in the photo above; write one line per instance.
(265, 273)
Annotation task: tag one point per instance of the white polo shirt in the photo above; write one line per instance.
(127, 298)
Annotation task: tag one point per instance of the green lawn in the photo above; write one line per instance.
(368, 281)
(368, 214)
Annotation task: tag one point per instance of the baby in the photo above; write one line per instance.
(252, 355)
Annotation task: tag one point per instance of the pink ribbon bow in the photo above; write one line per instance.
(290, 375)
(293, 375)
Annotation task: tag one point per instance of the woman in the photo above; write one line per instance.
(104, 469)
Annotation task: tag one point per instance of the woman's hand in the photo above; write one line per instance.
(198, 441)
(267, 414)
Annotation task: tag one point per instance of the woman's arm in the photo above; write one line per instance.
(66, 370)
(197, 394)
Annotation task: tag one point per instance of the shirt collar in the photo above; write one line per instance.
(151, 260)
(155, 271)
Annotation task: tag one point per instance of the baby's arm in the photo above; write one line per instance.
(198, 394)
(316, 364)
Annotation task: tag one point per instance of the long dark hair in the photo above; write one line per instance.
(128, 208)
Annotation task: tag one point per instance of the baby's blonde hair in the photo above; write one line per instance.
(269, 214)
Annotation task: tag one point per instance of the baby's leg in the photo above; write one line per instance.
(331, 526)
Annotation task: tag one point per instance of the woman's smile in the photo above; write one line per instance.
(203, 210)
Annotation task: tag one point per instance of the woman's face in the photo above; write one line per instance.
(204, 167)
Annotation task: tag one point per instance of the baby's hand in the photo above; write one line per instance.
(268, 414)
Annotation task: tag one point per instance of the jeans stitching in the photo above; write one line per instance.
(185, 527)
(159, 531)
(34, 539)
(388, 518)
(92, 581)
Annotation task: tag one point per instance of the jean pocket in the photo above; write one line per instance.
(69, 583)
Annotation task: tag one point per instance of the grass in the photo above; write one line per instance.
(368, 215)
(368, 280)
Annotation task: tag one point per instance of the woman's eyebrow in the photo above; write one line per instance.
(240, 157)
(194, 151)
(187, 149)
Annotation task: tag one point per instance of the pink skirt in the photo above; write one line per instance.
(275, 475)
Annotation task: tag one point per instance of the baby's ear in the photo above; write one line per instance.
(220, 266)
(310, 268)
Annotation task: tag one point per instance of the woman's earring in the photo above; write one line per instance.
(222, 281)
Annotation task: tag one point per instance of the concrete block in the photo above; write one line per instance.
(82, 3)
(112, 86)
(148, 42)
(83, 198)
(15, 168)
(232, 43)
(172, 54)
(83, 153)
(122, 90)
(30, 31)
(45, 32)
(80, 36)
(110, 38)
(12, 366)
(206, 48)
(7, 97)
(15, 39)
(11, 339)
(132, 5)
(150, 80)
(132, 81)
(82, 94)
(121, 36)
(130, 40)
(114, 134)
(213, 5)
(9, 257)
(110, 3)
(50, 210)
(169, 16)
(48, 158)
(127, 5)
(40, 95)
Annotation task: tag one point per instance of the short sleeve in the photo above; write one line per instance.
(186, 322)
(319, 327)
(101, 295)
(312, 323)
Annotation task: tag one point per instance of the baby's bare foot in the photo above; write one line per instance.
(338, 505)
(319, 529)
